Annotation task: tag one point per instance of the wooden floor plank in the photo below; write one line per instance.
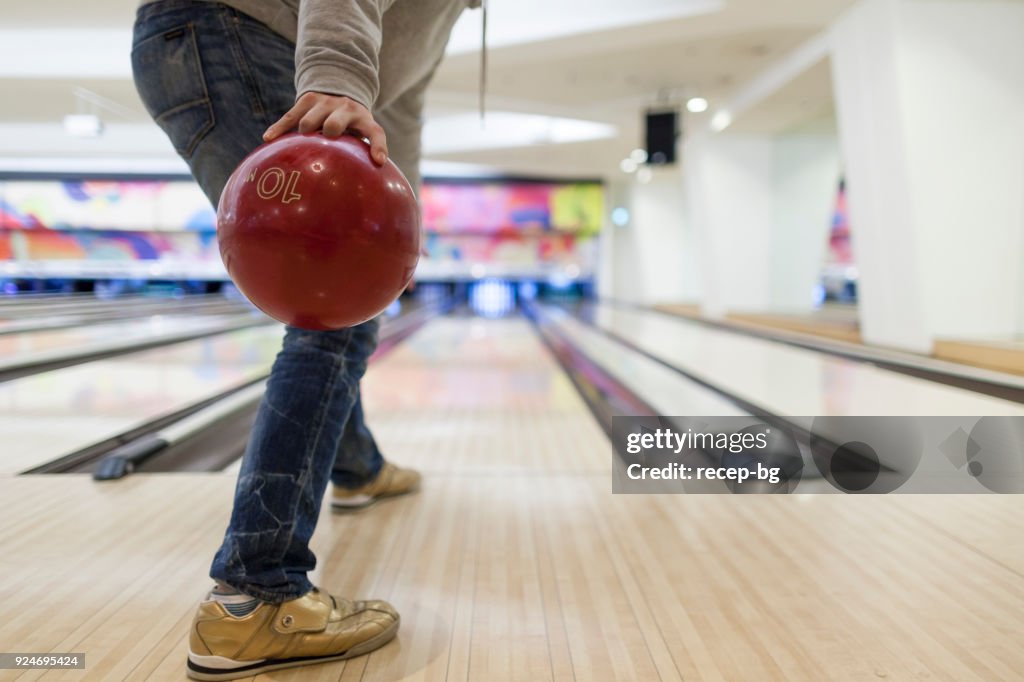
(555, 578)
(516, 562)
(990, 525)
(604, 638)
(509, 632)
(878, 594)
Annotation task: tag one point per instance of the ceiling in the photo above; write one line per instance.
(69, 14)
(599, 61)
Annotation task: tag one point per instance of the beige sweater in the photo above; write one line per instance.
(381, 53)
(348, 47)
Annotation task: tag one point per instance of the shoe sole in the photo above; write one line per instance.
(354, 506)
(199, 672)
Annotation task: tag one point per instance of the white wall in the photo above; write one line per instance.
(930, 100)
(962, 69)
(609, 249)
(806, 177)
(762, 207)
(930, 107)
(730, 202)
(652, 258)
(742, 226)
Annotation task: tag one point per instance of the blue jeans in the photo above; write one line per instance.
(214, 79)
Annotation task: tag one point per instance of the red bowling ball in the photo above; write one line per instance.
(315, 234)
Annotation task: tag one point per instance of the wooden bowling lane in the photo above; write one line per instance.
(52, 345)
(45, 416)
(788, 380)
(30, 342)
(16, 307)
(55, 315)
(516, 563)
(460, 392)
(667, 392)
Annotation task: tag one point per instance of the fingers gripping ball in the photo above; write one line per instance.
(315, 234)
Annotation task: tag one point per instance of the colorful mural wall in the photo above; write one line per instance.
(77, 227)
(510, 229)
(840, 248)
(492, 207)
(140, 206)
(839, 274)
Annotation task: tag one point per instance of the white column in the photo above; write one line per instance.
(616, 197)
(652, 258)
(762, 206)
(728, 192)
(805, 186)
(930, 103)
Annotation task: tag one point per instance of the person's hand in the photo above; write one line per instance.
(335, 115)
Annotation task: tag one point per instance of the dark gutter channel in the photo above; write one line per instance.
(603, 394)
(217, 445)
(77, 358)
(816, 445)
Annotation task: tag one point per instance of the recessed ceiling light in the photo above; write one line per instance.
(697, 105)
(628, 165)
(83, 125)
(721, 121)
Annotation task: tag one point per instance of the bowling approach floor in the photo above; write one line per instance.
(517, 563)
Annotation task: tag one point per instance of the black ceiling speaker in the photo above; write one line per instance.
(662, 131)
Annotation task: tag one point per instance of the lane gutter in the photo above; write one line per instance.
(37, 363)
(139, 448)
(816, 445)
(978, 380)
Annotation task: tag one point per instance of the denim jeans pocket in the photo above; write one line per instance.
(169, 77)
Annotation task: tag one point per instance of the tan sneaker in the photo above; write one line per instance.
(391, 481)
(314, 628)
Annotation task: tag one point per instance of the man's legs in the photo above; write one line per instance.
(360, 474)
(358, 460)
(311, 390)
(215, 79)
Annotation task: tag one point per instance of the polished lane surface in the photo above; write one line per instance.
(48, 415)
(37, 346)
(516, 562)
(791, 381)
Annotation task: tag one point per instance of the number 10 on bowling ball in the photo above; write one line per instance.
(315, 234)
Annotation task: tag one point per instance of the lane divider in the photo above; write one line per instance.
(816, 443)
(122, 456)
(45, 361)
(977, 379)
